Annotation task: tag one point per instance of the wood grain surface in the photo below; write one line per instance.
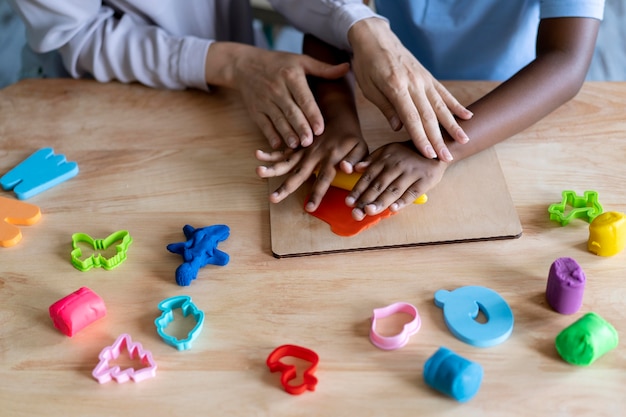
(152, 161)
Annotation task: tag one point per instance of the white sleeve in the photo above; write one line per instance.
(91, 39)
(329, 20)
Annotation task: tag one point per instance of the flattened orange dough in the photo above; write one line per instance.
(15, 212)
(334, 211)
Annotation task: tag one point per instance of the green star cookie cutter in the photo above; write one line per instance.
(121, 239)
(585, 207)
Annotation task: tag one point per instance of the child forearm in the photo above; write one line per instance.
(334, 97)
(564, 50)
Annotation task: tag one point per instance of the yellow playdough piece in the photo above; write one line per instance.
(12, 213)
(348, 181)
(607, 234)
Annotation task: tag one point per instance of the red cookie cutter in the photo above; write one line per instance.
(288, 372)
(76, 311)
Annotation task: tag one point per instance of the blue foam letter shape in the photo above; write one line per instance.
(40, 171)
(461, 308)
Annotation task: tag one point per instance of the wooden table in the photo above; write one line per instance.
(152, 161)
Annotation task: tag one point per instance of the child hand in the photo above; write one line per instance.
(393, 176)
(335, 148)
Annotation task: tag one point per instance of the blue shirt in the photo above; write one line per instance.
(476, 39)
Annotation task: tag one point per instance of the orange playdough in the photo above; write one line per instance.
(334, 211)
(15, 212)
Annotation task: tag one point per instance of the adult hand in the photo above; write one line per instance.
(405, 92)
(394, 175)
(274, 89)
(339, 147)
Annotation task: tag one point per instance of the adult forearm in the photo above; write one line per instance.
(92, 39)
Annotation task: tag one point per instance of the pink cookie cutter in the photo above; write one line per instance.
(409, 329)
(76, 311)
(103, 372)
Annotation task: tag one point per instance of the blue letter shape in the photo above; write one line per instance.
(40, 171)
(461, 307)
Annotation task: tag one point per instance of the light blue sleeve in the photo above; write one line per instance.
(12, 40)
(572, 8)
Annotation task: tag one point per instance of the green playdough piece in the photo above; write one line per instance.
(586, 340)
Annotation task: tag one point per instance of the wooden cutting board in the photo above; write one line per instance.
(471, 203)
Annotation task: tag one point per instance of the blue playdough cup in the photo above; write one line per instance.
(453, 375)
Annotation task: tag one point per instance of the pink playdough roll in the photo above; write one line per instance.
(76, 311)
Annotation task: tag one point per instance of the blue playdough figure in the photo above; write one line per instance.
(199, 250)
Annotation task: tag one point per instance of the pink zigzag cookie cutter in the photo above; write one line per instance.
(103, 372)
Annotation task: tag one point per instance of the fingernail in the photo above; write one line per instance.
(395, 122)
(463, 138)
(430, 152)
(394, 207)
(310, 207)
(371, 209)
(350, 201)
(447, 156)
(346, 167)
(292, 142)
(318, 129)
(357, 214)
(306, 140)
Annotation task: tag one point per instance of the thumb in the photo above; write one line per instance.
(321, 69)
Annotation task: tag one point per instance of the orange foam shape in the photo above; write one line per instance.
(334, 211)
(15, 212)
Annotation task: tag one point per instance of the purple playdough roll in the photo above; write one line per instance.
(566, 286)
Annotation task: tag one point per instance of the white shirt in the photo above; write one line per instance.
(163, 43)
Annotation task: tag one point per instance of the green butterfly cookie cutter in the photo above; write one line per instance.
(586, 207)
(121, 239)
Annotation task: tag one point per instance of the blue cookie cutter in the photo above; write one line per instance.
(187, 307)
(199, 250)
(461, 308)
(37, 173)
